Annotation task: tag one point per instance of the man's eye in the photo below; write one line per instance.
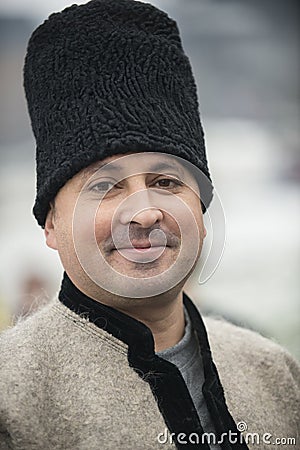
(102, 186)
(167, 183)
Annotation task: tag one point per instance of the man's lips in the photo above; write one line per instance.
(140, 246)
(142, 254)
(121, 242)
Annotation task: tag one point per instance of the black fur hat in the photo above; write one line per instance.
(103, 78)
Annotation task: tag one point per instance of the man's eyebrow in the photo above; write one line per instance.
(162, 167)
(158, 167)
(91, 170)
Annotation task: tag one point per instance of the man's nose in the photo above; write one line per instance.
(139, 208)
(148, 217)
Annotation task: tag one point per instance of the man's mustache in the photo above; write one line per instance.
(140, 237)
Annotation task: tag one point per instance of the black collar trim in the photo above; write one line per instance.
(164, 378)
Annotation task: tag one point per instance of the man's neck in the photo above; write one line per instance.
(165, 321)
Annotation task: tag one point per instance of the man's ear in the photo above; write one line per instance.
(49, 229)
(204, 232)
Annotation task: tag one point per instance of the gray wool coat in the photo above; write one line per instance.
(66, 384)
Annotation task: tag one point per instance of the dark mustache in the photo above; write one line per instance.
(136, 233)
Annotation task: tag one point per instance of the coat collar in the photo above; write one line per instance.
(163, 377)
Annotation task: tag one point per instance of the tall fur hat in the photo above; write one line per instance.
(104, 78)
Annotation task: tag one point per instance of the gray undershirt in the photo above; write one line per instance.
(187, 357)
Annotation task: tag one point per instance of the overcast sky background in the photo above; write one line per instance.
(33, 7)
(40, 8)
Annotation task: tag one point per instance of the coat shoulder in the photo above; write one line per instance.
(238, 343)
(50, 334)
(261, 380)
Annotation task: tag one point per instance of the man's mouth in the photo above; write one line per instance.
(150, 245)
(142, 252)
(144, 245)
(140, 245)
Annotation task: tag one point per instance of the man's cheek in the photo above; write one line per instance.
(83, 232)
(89, 234)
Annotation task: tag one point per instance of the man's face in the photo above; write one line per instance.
(131, 225)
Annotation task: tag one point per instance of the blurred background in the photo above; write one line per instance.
(245, 56)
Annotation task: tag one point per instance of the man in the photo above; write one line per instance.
(122, 358)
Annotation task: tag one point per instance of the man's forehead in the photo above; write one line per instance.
(133, 163)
